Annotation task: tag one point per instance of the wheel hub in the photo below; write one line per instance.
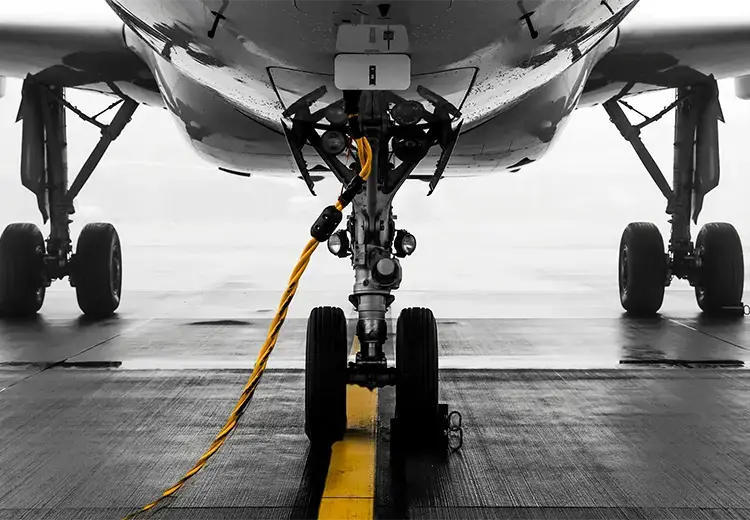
(116, 278)
(624, 270)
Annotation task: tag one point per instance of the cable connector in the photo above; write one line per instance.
(351, 191)
(326, 224)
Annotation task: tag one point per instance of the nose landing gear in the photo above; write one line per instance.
(397, 130)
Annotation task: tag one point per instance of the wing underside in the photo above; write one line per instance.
(73, 49)
(673, 43)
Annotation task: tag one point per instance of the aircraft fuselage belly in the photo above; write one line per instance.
(507, 54)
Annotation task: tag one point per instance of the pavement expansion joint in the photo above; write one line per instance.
(686, 363)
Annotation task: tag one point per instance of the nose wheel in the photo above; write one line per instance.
(325, 376)
(417, 369)
(393, 135)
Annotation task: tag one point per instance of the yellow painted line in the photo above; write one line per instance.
(350, 485)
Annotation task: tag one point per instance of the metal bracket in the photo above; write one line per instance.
(109, 133)
(632, 135)
(304, 103)
(296, 148)
(441, 104)
(443, 434)
(445, 156)
(371, 375)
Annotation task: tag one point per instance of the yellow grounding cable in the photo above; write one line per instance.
(365, 157)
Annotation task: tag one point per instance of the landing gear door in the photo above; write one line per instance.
(33, 153)
(707, 153)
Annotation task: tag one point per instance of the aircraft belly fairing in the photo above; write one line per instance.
(516, 46)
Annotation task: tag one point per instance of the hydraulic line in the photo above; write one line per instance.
(365, 159)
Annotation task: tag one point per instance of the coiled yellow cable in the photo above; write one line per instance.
(365, 157)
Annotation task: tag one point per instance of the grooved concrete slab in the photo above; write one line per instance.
(555, 425)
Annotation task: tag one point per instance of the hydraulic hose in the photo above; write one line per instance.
(321, 230)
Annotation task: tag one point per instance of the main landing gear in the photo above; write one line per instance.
(399, 131)
(28, 263)
(714, 265)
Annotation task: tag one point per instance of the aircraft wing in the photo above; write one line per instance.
(79, 45)
(672, 43)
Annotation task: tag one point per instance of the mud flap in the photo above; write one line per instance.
(33, 154)
(707, 149)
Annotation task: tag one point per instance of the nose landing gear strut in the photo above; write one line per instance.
(403, 131)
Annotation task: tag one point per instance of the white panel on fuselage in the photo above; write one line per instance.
(372, 72)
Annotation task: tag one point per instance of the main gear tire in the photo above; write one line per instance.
(22, 279)
(642, 269)
(97, 270)
(721, 269)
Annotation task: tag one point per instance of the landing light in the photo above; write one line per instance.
(335, 114)
(411, 147)
(405, 243)
(333, 142)
(408, 112)
(338, 244)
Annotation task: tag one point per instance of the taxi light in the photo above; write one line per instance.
(335, 114)
(338, 244)
(333, 142)
(408, 112)
(405, 243)
(411, 147)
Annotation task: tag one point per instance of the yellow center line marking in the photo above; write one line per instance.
(350, 485)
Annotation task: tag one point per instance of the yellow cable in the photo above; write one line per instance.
(365, 157)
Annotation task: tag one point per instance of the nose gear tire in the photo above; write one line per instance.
(642, 269)
(417, 389)
(721, 275)
(97, 270)
(326, 376)
(22, 284)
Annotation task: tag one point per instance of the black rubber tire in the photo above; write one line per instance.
(642, 269)
(417, 367)
(721, 276)
(22, 283)
(326, 376)
(97, 270)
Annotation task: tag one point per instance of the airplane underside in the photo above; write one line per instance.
(530, 65)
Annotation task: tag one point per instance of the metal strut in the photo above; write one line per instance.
(44, 162)
(395, 127)
(695, 164)
(632, 134)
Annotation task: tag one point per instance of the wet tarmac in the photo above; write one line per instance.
(565, 415)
